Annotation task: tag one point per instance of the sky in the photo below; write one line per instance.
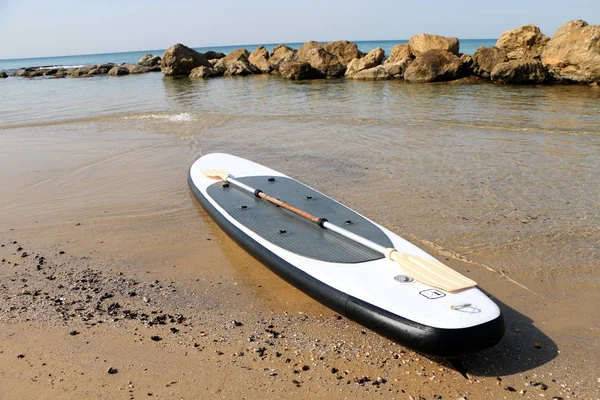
(40, 28)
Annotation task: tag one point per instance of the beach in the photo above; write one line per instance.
(140, 295)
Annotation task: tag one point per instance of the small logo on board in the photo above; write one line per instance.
(432, 294)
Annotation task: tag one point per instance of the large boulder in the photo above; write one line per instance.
(118, 70)
(423, 42)
(525, 42)
(298, 70)
(324, 62)
(372, 59)
(377, 73)
(486, 58)
(260, 59)
(149, 60)
(573, 53)
(435, 65)
(3, 74)
(306, 47)
(399, 53)
(344, 50)
(181, 60)
(281, 54)
(520, 72)
(203, 72)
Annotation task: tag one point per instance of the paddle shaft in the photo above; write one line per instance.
(323, 223)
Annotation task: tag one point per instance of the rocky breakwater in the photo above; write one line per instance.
(148, 63)
(521, 56)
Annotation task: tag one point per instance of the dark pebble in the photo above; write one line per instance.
(538, 345)
(334, 370)
(156, 338)
(61, 252)
(112, 371)
(510, 389)
(305, 368)
(236, 323)
(73, 333)
(19, 248)
(21, 356)
(540, 385)
(24, 254)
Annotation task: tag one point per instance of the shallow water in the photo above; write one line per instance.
(502, 176)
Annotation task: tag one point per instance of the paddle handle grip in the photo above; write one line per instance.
(282, 204)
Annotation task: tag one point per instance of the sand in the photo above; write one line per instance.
(175, 309)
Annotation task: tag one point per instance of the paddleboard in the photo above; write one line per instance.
(353, 280)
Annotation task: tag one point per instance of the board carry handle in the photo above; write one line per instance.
(426, 270)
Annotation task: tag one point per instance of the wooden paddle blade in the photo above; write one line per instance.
(216, 174)
(431, 272)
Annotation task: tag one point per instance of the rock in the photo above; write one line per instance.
(236, 63)
(260, 59)
(97, 70)
(523, 43)
(241, 67)
(344, 50)
(396, 70)
(203, 73)
(423, 42)
(62, 73)
(325, 62)
(434, 65)
(379, 72)
(372, 59)
(305, 48)
(36, 73)
(520, 72)
(298, 70)
(112, 370)
(214, 55)
(81, 71)
(3, 74)
(281, 54)
(399, 53)
(51, 71)
(149, 60)
(486, 58)
(137, 69)
(573, 53)
(118, 70)
(181, 60)
(467, 61)
(21, 73)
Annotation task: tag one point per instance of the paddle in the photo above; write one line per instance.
(425, 270)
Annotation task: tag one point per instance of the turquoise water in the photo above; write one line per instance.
(466, 46)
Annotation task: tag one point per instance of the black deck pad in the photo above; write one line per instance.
(292, 232)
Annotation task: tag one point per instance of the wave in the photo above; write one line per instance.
(181, 117)
(62, 67)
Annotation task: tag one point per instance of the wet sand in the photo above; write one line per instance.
(129, 255)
